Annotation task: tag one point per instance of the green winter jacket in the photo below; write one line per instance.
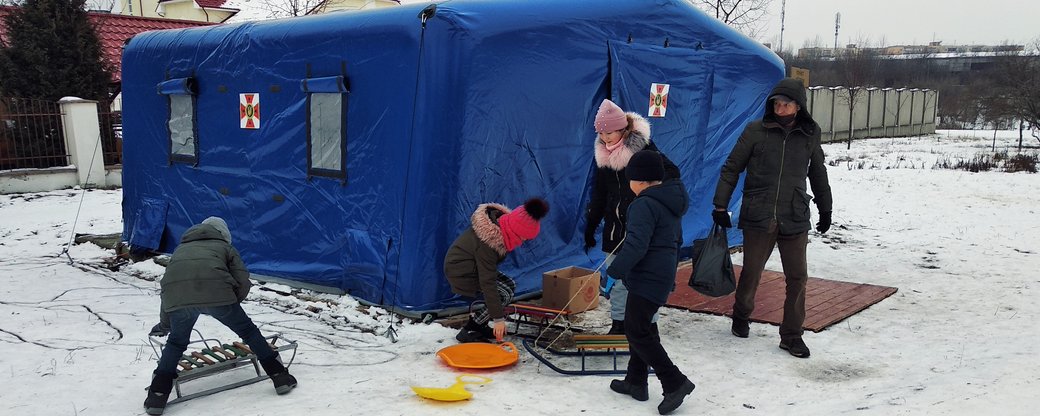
(471, 264)
(777, 162)
(205, 270)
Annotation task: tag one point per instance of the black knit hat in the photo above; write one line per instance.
(646, 166)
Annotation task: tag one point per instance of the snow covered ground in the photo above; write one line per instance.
(959, 337)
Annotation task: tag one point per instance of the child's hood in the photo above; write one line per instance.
(671, 194)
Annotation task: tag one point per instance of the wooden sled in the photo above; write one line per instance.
(613, 346)
(215, 357)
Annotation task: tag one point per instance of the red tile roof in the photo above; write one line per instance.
(115, 29)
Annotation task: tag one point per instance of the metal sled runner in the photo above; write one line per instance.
(587, 346)
(215, 357)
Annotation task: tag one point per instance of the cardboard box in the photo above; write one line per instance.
(560, 286)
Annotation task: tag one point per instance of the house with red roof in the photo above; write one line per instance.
(114, 30)
(212, 11)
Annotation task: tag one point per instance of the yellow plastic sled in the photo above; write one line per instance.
(454, 393)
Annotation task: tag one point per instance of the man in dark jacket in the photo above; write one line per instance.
(206, 276)
(778, 152)
(646, 265)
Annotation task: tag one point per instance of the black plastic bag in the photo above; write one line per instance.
(713, 269)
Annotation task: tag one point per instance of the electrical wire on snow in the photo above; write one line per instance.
(83, 196)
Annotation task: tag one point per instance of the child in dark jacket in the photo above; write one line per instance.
(206, 276)
(471, 264)
(646, 265)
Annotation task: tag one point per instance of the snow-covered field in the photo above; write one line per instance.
(959, 337)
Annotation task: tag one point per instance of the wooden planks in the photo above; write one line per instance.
(827, 302)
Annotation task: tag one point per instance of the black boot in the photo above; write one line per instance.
(795, 347)
(158, 393)
(283, 381)
(740, 328)
(637, 392)
(617, 328)
(672, 400)
(474, 332)
(483, 329)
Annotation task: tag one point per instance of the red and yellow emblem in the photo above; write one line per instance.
(658, 99)
(249, 110)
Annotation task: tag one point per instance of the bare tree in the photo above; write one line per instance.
(747, 16)
(290, 8)
(856, 67)
(1015, 88)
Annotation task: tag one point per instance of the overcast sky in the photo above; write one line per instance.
(988, 22)
(900, 22)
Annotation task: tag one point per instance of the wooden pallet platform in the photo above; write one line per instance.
(827, 302)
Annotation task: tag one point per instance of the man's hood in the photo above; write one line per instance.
(793, 88)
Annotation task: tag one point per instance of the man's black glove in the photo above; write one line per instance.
(721, 218)
(159, 330)
(825, 222)
(590, 242)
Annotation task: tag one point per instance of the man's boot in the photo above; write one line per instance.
(617, 328)
(283, 381)
(158, 393)
(740, 328)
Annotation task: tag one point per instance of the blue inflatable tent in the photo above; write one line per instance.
(348, 150)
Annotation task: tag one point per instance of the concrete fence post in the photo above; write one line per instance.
(83, 138)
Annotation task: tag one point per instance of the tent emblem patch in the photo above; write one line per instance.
(658, 100)
(249, 111)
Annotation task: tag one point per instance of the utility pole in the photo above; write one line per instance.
(783, 8)
(837, 24)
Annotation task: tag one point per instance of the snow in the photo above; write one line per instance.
(959, 337)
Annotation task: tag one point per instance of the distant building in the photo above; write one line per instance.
(931, 50)
(328, 6)
(213, 11)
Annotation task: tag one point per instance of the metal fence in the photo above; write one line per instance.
(110, 124)
(872, 112)
(31, 134)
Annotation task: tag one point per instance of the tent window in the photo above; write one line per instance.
(326, 126)
(326, 122)
(184, 138)
(183, 141)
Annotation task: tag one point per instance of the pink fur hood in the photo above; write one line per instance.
(486, 230)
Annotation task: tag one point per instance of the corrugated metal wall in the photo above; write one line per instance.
(876, 112)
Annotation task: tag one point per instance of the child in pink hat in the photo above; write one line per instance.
(471, 264)
(619, 135)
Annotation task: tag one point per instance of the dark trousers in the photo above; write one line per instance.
(644, 344)
(758, 245)
(182, 321)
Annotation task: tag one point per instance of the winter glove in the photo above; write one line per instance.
(721, 217)
(159, 330)
(825, 222)
(590, 242)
